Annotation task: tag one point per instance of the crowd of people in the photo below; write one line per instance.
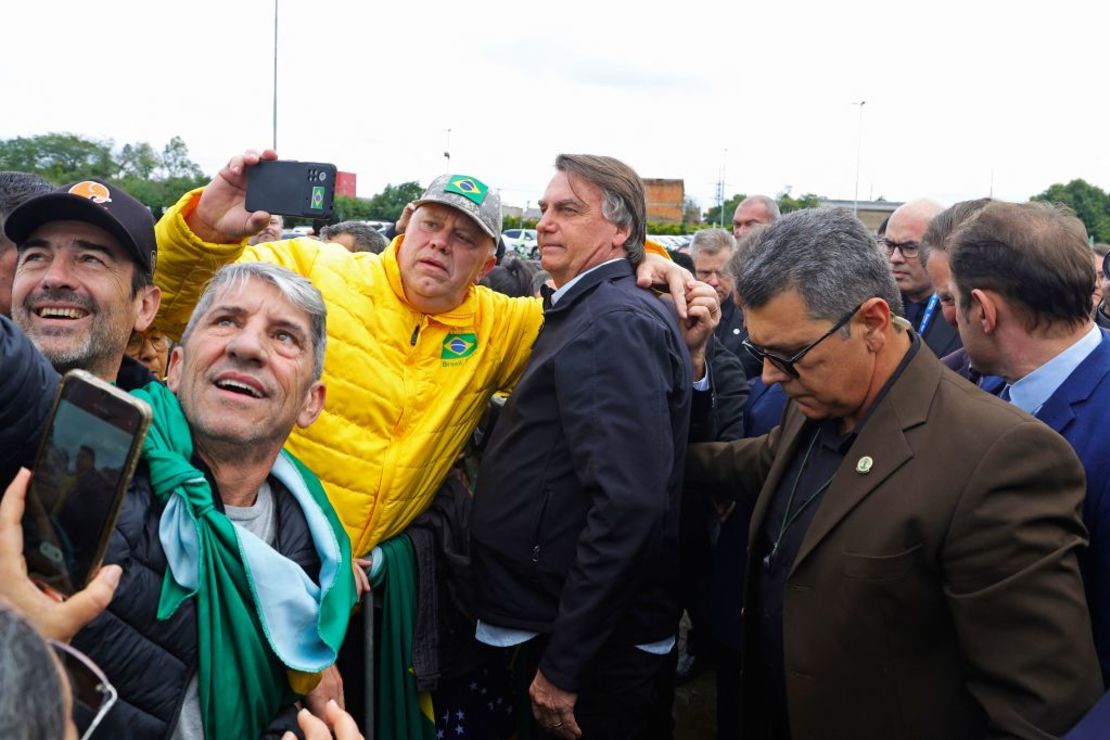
(420, 488)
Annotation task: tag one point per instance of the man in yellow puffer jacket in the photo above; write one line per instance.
(415, 347)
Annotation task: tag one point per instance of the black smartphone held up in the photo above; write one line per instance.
(290, 188)
(82, 471)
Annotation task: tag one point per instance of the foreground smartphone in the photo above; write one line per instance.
(291, 188)
(82, 471)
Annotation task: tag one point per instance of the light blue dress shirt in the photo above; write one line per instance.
(1031, 392)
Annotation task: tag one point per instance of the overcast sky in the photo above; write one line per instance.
(958, 94)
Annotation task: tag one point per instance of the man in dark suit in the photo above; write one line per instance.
(902, 243)
(1022, 278)
(912, 569)
(574, 530)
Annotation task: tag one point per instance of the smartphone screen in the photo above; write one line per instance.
(82, 471)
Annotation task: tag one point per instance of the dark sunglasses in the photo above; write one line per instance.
(92, 693)
(786, 364)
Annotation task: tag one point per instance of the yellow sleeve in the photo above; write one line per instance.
(186, 263)
(656, 248)
(523, 318)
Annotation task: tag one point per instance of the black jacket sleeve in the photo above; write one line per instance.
(717, 414)
(28, 383)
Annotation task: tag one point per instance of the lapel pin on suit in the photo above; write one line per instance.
(863, 467)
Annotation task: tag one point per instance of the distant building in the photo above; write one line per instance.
(871, 212)
(664, 200)
(345, 184)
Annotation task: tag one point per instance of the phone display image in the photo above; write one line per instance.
(82, 471)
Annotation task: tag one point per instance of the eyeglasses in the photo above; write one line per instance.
(160, 342)
(92, 693)
(786, 364)
(909, 250)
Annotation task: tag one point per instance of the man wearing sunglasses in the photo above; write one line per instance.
(909, 530)
(902, 245)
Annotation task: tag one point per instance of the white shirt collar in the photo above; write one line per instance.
(570, 283)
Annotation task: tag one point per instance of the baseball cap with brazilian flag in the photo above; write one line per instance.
(469, 195)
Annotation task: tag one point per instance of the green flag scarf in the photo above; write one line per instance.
(403, 712)
(258, 613)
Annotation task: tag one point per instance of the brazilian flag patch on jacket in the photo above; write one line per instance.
(458, 346)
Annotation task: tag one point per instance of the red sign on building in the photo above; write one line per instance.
(345, 184)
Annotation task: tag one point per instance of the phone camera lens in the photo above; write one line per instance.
(323, 176)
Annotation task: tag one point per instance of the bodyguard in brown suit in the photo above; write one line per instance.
(912, 572)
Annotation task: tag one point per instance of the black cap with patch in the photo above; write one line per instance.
(98, 203)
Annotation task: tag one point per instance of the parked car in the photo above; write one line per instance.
(521, 241)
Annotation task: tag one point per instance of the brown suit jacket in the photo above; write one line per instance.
(936, 596)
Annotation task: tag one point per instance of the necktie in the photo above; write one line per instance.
(1005, 394)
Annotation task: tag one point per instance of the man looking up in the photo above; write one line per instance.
(235, 568)
(908, 529)
(753, 211)
(574, 530)
(439, 344)
(1022, 278)
(902, 243)
(15, 188)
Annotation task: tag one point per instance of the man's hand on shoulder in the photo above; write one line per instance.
(553, 708)
(221, 216)
(658, 270)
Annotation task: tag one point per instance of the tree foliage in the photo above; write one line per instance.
(713, 216)
(1090, 203)
(156, 179)
(59, 158)
(385, 206)
(787, 203)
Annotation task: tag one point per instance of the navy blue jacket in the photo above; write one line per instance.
(151, 662)
(574, 530)
(1078, 411)
(28, 383)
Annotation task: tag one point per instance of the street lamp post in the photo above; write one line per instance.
(859, 148)
(275, 70)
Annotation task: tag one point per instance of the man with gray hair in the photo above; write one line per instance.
(574, 530)
(885, 586)
(711, 250)
(247, 578)
(356, 236)
(753, 211)
(921, 304)
(15, 189)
